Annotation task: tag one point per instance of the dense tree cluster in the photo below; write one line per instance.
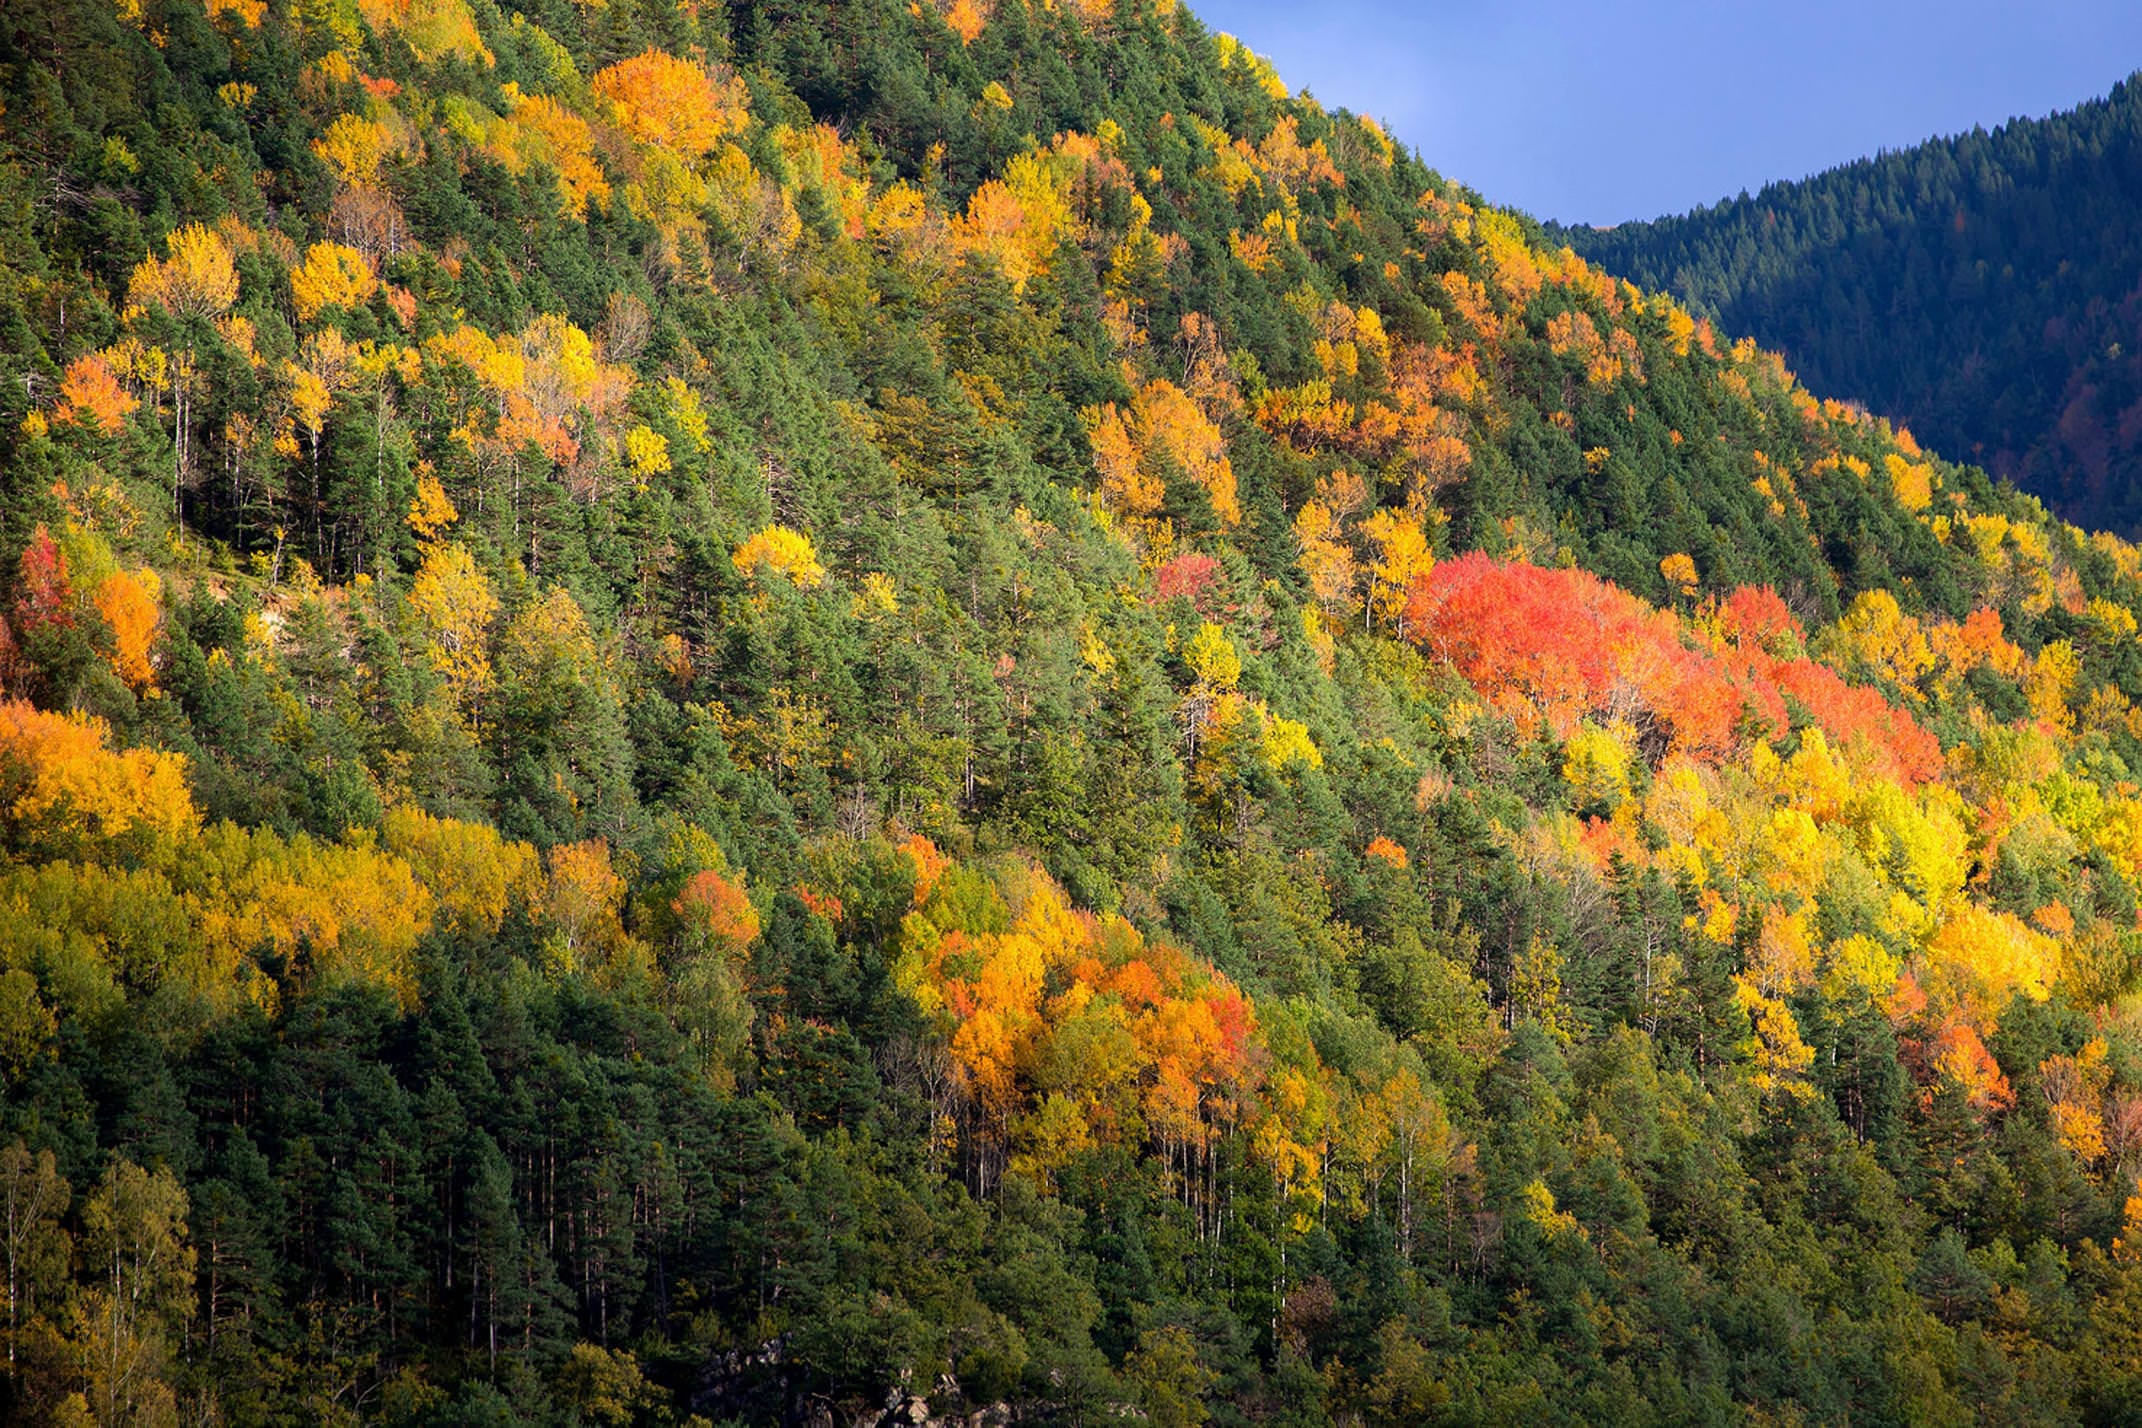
(712, 710)
(1982, 287)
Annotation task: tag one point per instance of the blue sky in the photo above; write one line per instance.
(1596, 112)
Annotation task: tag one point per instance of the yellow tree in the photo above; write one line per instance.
(455, 605)
(358, 910)
(560, 138)
(431, 510)
(551, 385)
(195, 281)
(967, 20)
(581, 898)
(1596, 763)
(475, 875)
(127, 601)
(1420, 1147)
(354, 148)
(1165, 426)
(1402, 557)
(784, 551)
(1293, 1139)
(332, 275)
(1978, 959)
(1779, 1056)
(1326, 560)
(90, 395)
(72, 792)
(197, 278)
(33, 1197)
(680, 106)
(1215, 667)
(1019, 219)
(1877, 634)
(2075, 1088)
(1125, 485)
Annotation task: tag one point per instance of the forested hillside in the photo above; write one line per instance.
(1986, 288)
(852, 712)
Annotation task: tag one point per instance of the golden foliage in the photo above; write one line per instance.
(354, 147)
(1326, 559)
(435, 29)
(1977, 959)
(455, 604)
(1876, 633)
(248, 13)
(646, 452)
(1596, 764)
(127, 601)
(553, 387)
(430, 510)
(786, 552)
(90, 395)
(198, 277)
(1164, 432)
(2075, 1088)
(332, 275)
(674, 103)
(1386, 850)
(1402, 557)
(474, 874)
(1911, 481)
(583, 892)
(539, 129)
(1780, 1056)
(1019, 220)
(65, 786)
(966, 19)
(358, 910)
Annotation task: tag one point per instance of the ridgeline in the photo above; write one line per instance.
(1984, 288)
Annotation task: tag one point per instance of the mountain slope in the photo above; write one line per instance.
(759, 712)
(1984, 288)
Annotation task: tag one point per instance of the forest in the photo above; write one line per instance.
(1984, 288)
(847, 711)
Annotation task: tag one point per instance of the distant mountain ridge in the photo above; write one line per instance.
(1986, 288)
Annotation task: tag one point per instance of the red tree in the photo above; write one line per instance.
(43, 594)
(1567, 645)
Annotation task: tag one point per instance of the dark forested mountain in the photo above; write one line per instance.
(1985, 288)
(850, 711)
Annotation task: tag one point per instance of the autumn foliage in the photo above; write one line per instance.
(1048, 1006)
(1563, 645)
(127, 601)
(91, 396)
(757, 698)
(62, 786)
(43, 593)
(332, 275)
(1163, 433)
(673, 103)
(717, 909)
(548, 386)
(198, 277)
(785, 552)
